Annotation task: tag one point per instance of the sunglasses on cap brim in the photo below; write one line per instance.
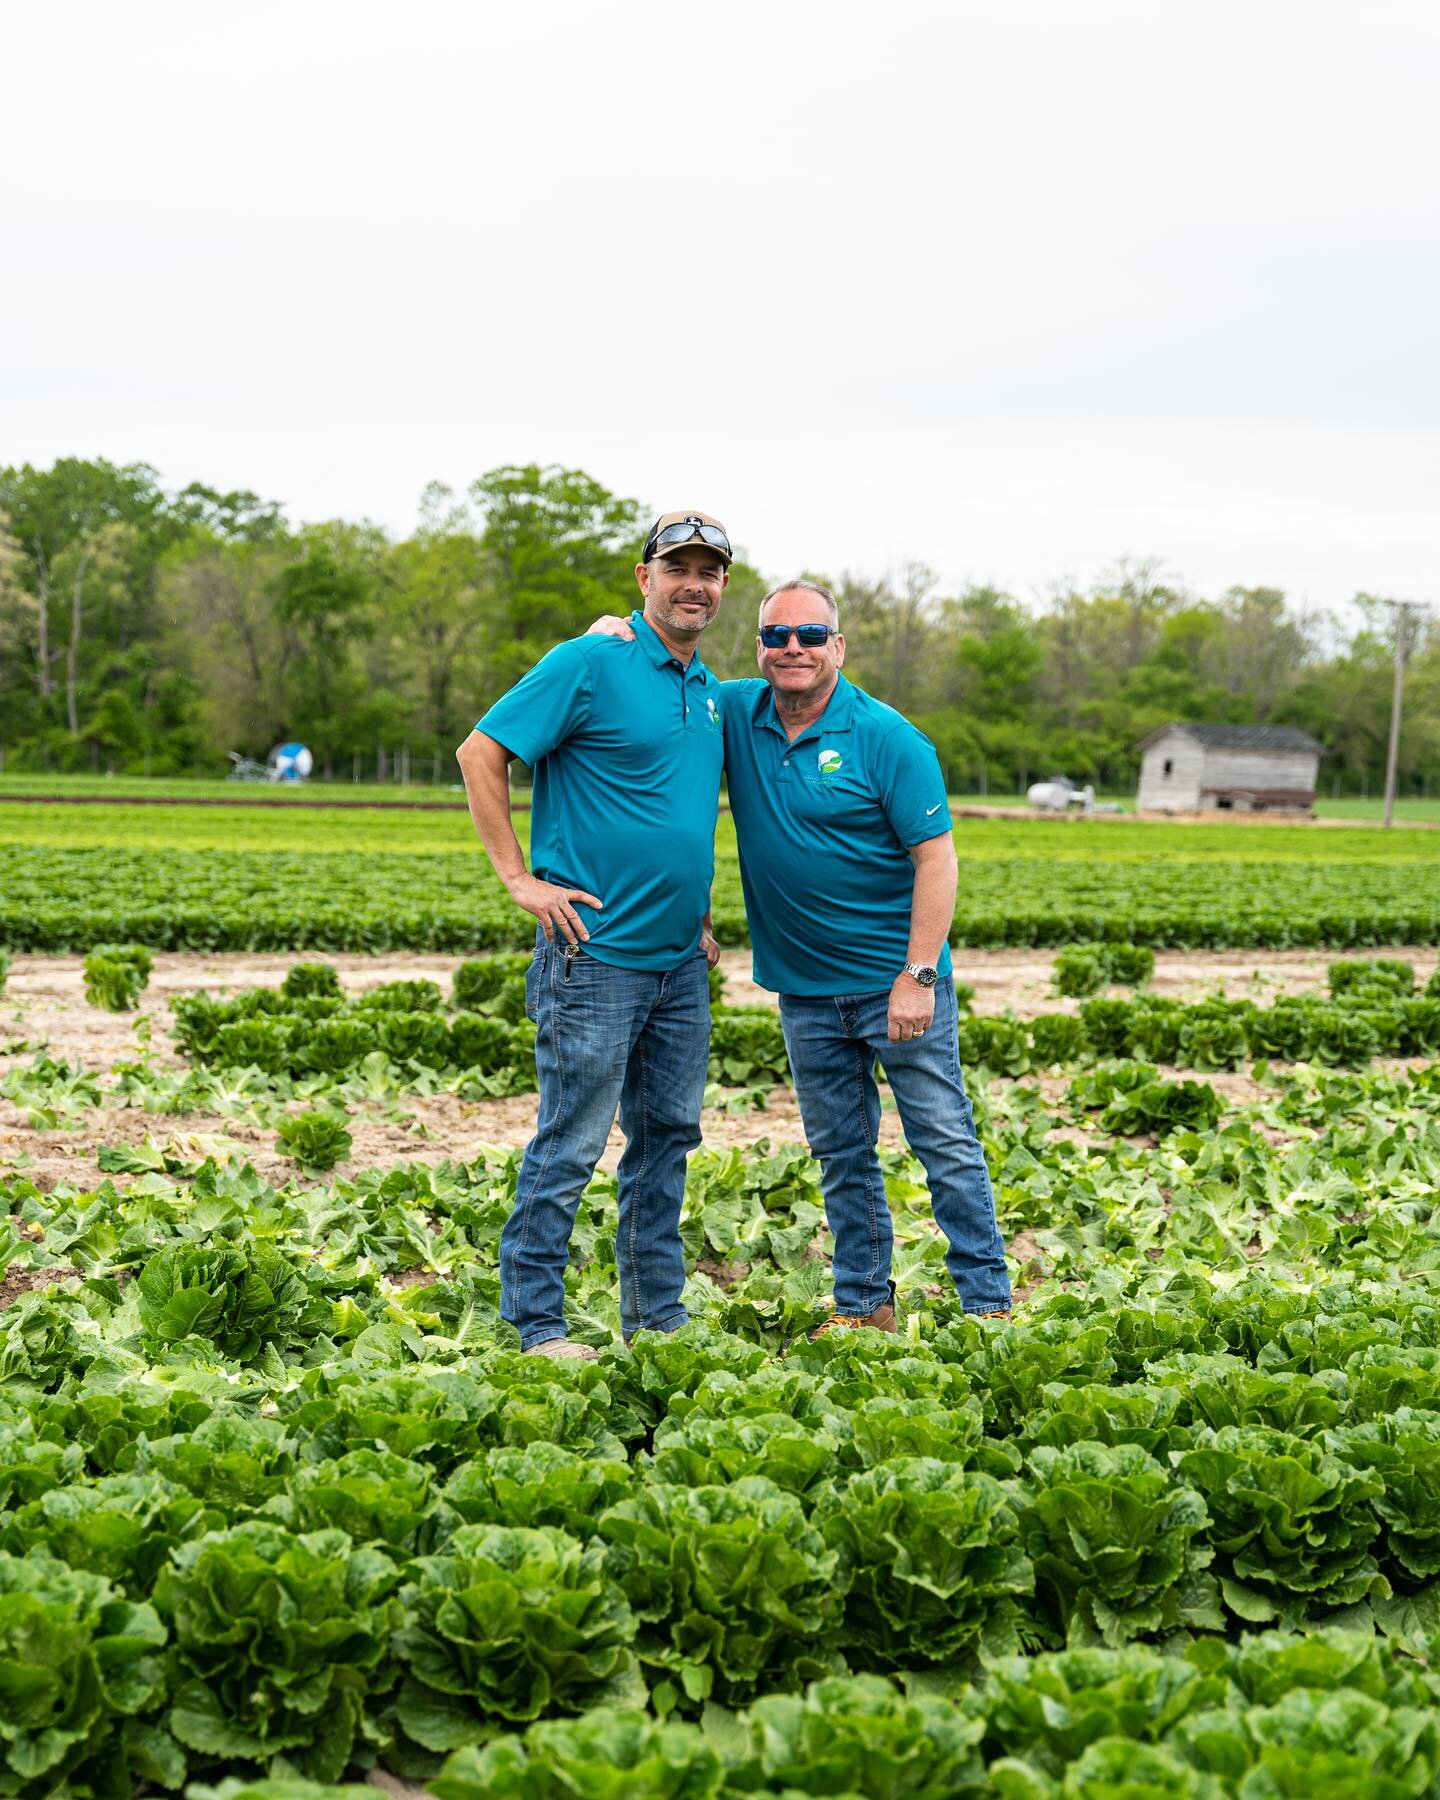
(675, 535)
(776, 637)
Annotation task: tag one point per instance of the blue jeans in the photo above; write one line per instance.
(833, 1044)
(607, 1038)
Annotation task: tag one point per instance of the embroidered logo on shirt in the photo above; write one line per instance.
(713, 710)
(829, 762)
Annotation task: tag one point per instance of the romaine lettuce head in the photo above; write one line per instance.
(1404, 1451)
(76, 1662)
(30, 1465)
(232, 1461)
(239, 1300)
(658, 1366)
(697, 1452)
(732, 1587)
(281, 1645)
(1111, 1768)
(508, 1624)
(1292, 1524)
(1118, 1544)
(775, 1387)
(120, 1526)
(1316, 1742)
(1142, 1414)
(1049, 1708)
(374, 1496)
(929, 1561)
(618, 1754)
(1266, 1665)
(857, 1734)
(537, 1484)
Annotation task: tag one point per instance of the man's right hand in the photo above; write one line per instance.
(551, 905)
(607, 625)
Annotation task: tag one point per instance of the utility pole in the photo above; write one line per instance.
(1402, 610)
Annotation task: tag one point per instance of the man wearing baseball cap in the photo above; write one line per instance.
(849, 872)
(626, 743)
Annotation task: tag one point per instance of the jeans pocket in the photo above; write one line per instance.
(534, 975)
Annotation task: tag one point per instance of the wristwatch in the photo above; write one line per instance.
(927, 977)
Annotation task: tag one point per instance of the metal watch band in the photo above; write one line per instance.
(926, 976)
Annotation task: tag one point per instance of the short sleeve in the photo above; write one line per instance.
(545, 706)
(911, 786)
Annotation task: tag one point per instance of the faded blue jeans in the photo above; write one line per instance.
(607, 1039)
(833, 1044)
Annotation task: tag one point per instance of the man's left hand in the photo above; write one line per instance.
(912, 1009)
(711, 949)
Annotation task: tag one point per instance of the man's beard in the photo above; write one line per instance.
(667, 613)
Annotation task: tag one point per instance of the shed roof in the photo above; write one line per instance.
(1240, 737)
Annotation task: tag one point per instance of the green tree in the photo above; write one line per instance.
(440, 601)
(561, 549)
(323, 604)
(61, 510)
(222, 637)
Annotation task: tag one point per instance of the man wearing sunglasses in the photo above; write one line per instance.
(849, 872)
(626, 742)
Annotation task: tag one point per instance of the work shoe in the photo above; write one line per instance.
(1001, 1313)
(882, 1319)
(564, 1349)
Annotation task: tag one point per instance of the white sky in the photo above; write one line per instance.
(1012, 289)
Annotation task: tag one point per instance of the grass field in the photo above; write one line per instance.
(139, 787)
(449, 791)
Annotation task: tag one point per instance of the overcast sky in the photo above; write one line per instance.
(1014, 290)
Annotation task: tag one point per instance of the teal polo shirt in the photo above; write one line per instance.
(825, 825)
(627, 745)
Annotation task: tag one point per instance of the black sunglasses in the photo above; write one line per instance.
(776, 637)
(685, 533)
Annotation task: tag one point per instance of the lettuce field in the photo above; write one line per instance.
(284, 1513)
(254, 878)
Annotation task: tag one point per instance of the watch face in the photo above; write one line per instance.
(926, 977)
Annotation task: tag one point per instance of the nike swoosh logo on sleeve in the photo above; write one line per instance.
(932, 809)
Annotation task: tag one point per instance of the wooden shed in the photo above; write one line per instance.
(1235, 768)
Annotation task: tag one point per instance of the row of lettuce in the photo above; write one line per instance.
(55, 898)
(265, 1050)
(1334, 1712)
(307, 1027)
(320, 1550)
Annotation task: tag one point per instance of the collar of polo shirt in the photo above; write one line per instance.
(656, 648)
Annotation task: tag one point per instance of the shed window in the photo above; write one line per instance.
(1169, 768)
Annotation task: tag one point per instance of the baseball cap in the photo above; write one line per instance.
(673, 530)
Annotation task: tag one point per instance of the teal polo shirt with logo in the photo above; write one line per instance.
(825, 825)
(627, 745)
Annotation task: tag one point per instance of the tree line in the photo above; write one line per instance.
(148, 630)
